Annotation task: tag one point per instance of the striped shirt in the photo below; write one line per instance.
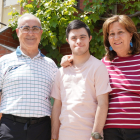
(25, 84)
(124, 99)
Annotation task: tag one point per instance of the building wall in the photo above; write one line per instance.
(4, 51)
(6, 10)
(10, 2)
(1, 9)
(7, 39)
(6, 7)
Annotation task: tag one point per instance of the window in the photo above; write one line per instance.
(10, 2)
(4, 3)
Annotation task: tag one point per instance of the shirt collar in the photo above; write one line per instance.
(19, 52)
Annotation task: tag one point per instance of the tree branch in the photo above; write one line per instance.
(109, 15)
(104, 18)
(135, 14)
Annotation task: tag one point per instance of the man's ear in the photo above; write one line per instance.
(41, 31)
(90, 38)
(67, 40)
(17, 31)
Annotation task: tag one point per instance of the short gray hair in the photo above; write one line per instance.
(27, 15)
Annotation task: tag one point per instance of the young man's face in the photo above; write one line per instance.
(78, 40)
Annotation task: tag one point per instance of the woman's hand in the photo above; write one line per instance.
(66, 61)
(94, 139)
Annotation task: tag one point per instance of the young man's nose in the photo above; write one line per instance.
(78, 40)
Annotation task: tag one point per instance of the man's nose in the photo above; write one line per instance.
(78, 40)
(30, 31)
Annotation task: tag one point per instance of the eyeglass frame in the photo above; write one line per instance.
(30, 28)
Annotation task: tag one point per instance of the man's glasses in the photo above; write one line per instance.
(26, 29)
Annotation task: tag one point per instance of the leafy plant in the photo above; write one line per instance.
(56, 14)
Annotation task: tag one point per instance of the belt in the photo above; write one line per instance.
(26, 120)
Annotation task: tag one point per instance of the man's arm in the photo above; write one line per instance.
(55, 123)
(101, 113)
(66, 61)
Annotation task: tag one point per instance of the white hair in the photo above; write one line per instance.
(28, 15)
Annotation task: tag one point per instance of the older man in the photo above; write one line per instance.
(26, 78)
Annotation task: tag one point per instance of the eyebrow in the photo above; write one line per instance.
(29, 26)
(80, 35)
(83, 35)
(118, 29)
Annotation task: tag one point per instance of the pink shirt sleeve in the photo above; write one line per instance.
(55, 92)
(102, 84)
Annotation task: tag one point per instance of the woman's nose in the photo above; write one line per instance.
(116, 36)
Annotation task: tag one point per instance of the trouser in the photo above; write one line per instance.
(22, 128)
(121, 134)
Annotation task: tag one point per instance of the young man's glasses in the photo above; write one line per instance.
(26, 29)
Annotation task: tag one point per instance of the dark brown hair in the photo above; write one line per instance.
(129, 26)
(77, 24)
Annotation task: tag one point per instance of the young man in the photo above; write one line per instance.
(80, 92)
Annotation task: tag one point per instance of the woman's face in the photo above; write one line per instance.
(119, 38)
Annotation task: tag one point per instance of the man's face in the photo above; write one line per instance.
(29, 40)
(78, 40)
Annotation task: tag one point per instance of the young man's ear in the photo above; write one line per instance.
(90, 38)
(67, 40)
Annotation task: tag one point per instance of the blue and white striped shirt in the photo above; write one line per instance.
(25, 84)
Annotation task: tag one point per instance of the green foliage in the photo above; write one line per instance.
(56, 14)
(96, 9)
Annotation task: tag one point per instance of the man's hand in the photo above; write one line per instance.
(55, 122)
(101, 114)
(66, 61)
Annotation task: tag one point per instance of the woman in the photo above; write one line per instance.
(122, 44)
(122, 60)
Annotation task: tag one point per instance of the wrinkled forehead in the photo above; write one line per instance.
(120, 25)
(29, 21)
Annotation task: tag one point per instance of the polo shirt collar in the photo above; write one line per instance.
(19, 52)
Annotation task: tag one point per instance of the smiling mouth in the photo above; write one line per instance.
(30, 38)
(78, 46)
(118, 43)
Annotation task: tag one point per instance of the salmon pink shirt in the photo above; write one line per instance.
(78, 88)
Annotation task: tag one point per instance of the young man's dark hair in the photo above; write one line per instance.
(77, 24)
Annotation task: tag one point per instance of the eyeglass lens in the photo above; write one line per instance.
(26, 29)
